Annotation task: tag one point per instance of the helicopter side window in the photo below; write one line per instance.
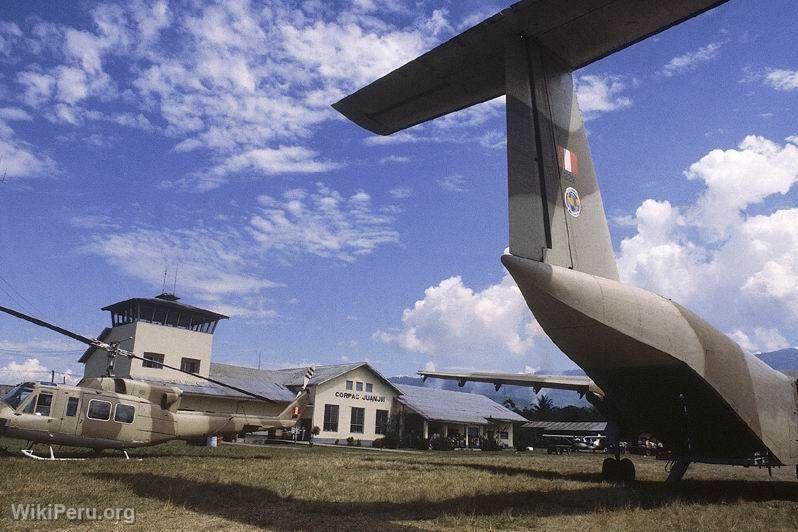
(99, 410)
(43, 404)
(72, 407)
(124, 413)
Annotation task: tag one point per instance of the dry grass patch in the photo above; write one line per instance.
(182, 487)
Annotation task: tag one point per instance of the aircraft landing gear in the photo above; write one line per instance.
(614, 470)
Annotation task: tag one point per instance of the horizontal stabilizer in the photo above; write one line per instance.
(578, 384)
(469, 68)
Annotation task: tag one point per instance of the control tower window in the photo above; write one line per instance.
(152, 360)
(192, 365)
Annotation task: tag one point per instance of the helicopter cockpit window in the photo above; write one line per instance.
(43, 404)
(17, 395)
(99, 410)
(124, 413)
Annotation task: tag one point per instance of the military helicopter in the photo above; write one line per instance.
(118, 413)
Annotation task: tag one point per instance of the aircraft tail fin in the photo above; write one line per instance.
(528, 52)
(555, 206)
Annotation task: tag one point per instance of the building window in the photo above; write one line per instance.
(192, 365)
(99, 410)
(152, 360)
(504, 435)
(349, 385)
(381, 426)
(369, 387)
(43, 404)
(359, 386)
(72, 407)
(331, 418)
(358, 420)
(124, 413)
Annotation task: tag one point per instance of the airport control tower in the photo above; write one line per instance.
(162, 330)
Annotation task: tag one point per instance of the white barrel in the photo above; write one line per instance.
(212, 441)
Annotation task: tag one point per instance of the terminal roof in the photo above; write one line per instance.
(455, 407)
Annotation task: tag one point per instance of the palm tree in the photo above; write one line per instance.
(545, 407)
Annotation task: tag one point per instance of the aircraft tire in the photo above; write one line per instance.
(626, 470)
(610, 470)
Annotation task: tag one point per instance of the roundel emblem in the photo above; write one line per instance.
(572, 202)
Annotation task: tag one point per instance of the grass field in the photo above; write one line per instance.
(182, 487)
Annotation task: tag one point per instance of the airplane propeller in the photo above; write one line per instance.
(114, 350)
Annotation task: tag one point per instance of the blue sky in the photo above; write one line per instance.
(197, 136)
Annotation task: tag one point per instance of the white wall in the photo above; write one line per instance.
(172, 342)
(334, 392)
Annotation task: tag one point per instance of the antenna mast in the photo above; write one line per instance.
(174, 285)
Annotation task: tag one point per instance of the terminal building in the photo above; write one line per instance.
(347, 400)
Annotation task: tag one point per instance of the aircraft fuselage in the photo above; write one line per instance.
(662, 368)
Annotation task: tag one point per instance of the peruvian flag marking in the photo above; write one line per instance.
(568, 160)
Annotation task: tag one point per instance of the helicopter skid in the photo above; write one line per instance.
(52, 458)
(30, 454)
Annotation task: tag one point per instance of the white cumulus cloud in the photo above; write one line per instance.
(737, 178)
(33, 370)
(453, 320)
(737, 268)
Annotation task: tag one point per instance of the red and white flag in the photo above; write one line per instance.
(568, 160)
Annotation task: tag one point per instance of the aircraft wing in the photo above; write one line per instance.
(578, 384)
(469, 68)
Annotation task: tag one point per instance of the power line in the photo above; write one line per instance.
(21, 296)
(47, 371)
(41, 351)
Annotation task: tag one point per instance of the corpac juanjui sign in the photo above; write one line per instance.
(361, 396)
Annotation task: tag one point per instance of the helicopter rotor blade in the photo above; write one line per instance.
(114, 350)
(128, 354)
(75, 336)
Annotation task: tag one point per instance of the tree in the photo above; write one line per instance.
(545, 407)
(510, 405)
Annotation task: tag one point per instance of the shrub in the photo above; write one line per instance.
(390, 441)
(350, 441)
(315, 430)
(336, 442)
(379, 443)
(422, 444)
(440, 443)
(357, 443)
(489, 444)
